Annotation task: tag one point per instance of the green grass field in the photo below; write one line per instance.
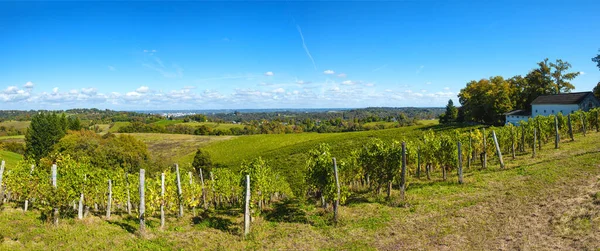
(115, 126)
(168, 149)
(551, 202)
(19, 125)
(10, 158)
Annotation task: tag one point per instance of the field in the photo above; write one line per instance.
(551, 202)
(213, 125)
(115, 126)
(175, 148)
(10, 158)
(16, 138)
(19, 125)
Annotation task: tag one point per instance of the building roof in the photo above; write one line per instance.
(518, 113)
(563, 98)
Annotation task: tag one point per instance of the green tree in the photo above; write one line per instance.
(596, 60)
(561, 78)
(202, 160)
(44, 131)
(597, 90)
(451, 113)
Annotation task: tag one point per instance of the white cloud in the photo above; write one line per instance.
(328, 72)
(370, 84)
(379, 68)
(55, 90)
(428, 83)
(11, 90)
(142, 89)
(342, 75)
(581, 73)
(269, 73)
(28, 85)
(278, 90)
(446, 88)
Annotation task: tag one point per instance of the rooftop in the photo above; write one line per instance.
(563, 98)
(519, 113)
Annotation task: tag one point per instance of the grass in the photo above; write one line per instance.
(550, 202)
(175, 148)
(11, 158)
(117, 125)
(19, 125)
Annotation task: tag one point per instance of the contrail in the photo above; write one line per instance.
(306, 48)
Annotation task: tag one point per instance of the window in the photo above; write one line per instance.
(552, 111)
(544, 111)
(535, 111)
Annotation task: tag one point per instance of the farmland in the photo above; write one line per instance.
(550, 202)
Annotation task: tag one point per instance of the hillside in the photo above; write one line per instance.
(550, 202)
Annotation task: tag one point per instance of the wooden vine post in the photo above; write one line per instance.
(80, 206)
(179, 192)
(583, 123)
(498, 152)
(109, 199)
(54, 186)
(203, 191)
(193, 198)
(128, 195)
(162, 200)
(556, 135)
(534, 140)
(212, 184)
(484, 158)
(247, 208)
(142, 208)
(336, 204)
(570, 127)
(460, 171)
(418, 162)
(512, 141)
(1, 186)
(469, 152)
(403, 172)
(26, 206)
(522, 147)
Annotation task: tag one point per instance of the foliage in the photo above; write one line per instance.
(451, 113)
(202, 160)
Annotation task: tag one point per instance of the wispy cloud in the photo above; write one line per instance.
(306, 48)
(342, 75)
(328, 72)
(379, 68)
(225, 77)
(581, 73)
(269, 73)
(420, 69)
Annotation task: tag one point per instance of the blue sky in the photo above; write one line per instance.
(280, 54)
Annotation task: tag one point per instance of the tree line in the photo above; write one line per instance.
(486, 100)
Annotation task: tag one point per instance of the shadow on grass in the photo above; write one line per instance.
(289, 210)
(216, 222)
(124, 225)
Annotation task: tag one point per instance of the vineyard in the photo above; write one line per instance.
(382, 170)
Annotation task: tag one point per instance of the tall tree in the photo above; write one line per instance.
(597, 90)
(596, 60)
(202, 160)
(561, 77)
(44, 131)
(451, 113)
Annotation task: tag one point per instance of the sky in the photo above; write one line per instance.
(280, 54)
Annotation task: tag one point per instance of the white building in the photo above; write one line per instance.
(564, 103)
